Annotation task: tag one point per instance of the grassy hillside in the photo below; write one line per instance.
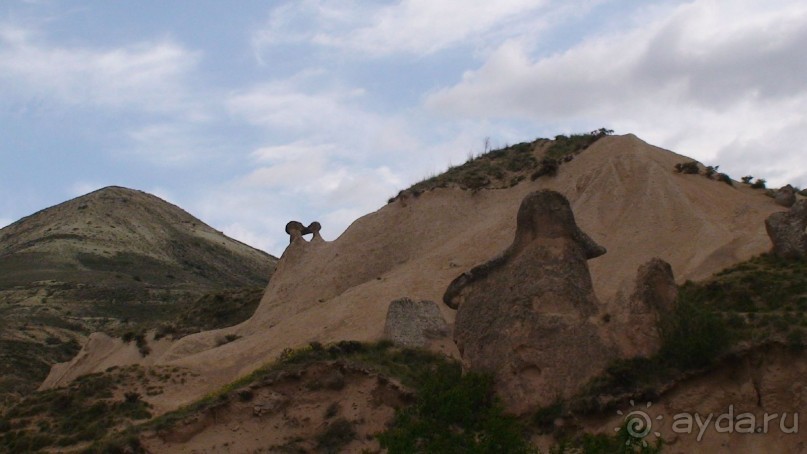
(508, 166)
(116, 261)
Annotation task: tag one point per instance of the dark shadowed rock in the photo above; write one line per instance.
(656, 290)
(785, 196)
(654, 295)
(787, 231)
(524, 316)
(414, 324)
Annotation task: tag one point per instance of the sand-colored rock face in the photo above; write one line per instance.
(524, 315)
(414, 323)
(623, 192)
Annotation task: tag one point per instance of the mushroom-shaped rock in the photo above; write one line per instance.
(788, 231)
(314, 228)
(524, 316)
(414, 324)
(296, 230)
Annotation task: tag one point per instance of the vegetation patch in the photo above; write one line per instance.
(508, 166)
(24, 363)
(564, 146)
(85, 411)
(758, 301)
(454, 413)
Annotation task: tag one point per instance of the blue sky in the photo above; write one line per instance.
(249, 114)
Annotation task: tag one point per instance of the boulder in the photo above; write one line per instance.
(414, 324)
(785, 196)
(525, 316)
(787, 231)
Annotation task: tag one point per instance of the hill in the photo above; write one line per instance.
(114, 260)
(625, 194)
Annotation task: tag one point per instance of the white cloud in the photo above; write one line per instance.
(415, 27)
(427, 26)
(696, 78)
(148, 76)
(172, 143)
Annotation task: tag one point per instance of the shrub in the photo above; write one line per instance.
(690, 167)
(747, 179)
(759, 184)
(332, 410)
(710, 171)
(454, 413)
(620, 443)
(227, 339)
(475, 181)
(576, 143)
(548, 167)
(692, 335)
(725, 179)
(132, 397)
(246, 395)
(338, 434)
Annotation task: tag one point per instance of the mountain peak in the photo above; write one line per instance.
(115, 220)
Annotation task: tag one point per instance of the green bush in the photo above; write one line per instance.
(574, 144)
(692, 335)
(454, 413)
(722, 177)
(759, 184)
(620, 443)
(690, 167)
(548, 167)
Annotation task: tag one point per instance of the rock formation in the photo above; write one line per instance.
(296, 230)
(785, 196)
(414, 324)
(635, 327)
(656, 290)
(524, 316)
(787, 230)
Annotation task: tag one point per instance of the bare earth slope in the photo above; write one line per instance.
(109, 260)
(624, 194)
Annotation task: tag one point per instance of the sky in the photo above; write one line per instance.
(249, 114)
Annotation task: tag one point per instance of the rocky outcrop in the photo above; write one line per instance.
(655, 291)
(414, 324)
(635, 327)
(788, 231)
(524, 316)
(785, 196)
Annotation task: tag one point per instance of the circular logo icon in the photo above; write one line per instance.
(638, 424)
